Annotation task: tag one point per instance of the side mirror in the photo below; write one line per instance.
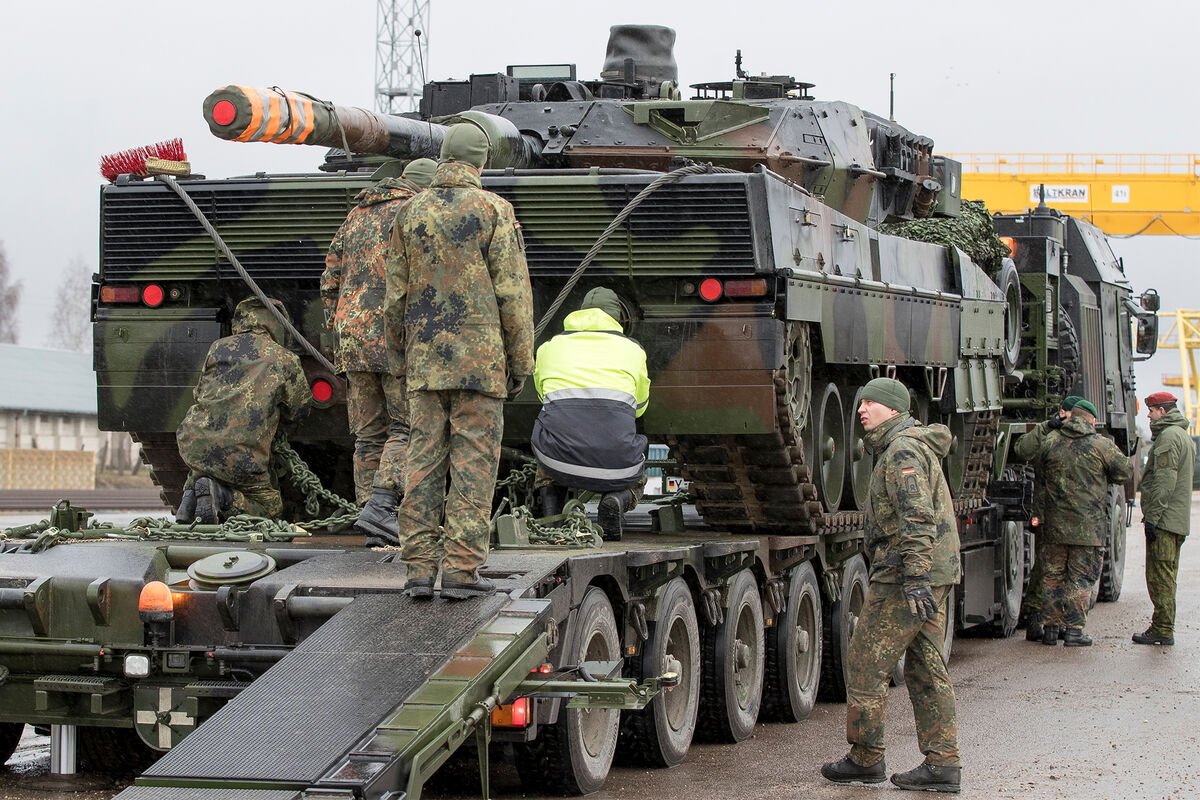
(1150, 301)
(1147, 335)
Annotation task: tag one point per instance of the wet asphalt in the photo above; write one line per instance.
(1115, 720)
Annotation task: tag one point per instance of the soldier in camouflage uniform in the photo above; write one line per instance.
(250, 382)
(1078, 465)
(460, 309)
(1026, 448)
(912, 543)
(1166, 511)
(352, 289)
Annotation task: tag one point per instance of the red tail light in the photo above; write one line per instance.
(322, 390)
(710, 290)
(153, 295)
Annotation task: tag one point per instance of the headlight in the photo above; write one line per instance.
(137, 665)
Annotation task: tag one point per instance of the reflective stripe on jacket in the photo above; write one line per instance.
(593, 384)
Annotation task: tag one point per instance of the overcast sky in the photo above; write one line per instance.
(81, 79)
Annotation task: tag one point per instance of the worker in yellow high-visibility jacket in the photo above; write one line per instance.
(593, 384)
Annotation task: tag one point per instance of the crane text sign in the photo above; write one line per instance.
(1061, 193)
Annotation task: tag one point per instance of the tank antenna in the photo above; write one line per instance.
(892, 96)
(737, 65)
(421, 66)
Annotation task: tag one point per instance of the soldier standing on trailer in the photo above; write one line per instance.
(1166, 511)
(460, 309)
(1027, 448)
(352, 289)
(1078, 465)
(912, 540)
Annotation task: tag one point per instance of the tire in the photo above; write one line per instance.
(1010, 286)
(947, 642)
(113, 751)
(793, 671)
(661, 733)
(1112, 574)
(574, 754)
(839, 622)
(10, 737)
(1010, 580)
(732, 672)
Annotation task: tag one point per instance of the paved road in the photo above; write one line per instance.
(1112, 721)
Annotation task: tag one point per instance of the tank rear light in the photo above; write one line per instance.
(322, 390)
(153, 295)
(155, 604)
(1034, 522)
(512, 715)
(752, 287)
(710, 290)
(119, 294)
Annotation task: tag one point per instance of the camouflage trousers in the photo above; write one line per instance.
(886, 630)
(1069, 574)
(1031, 602)
(541, 480)
(455, 433)
(254, 497)
(1162, 571)
(377, 407)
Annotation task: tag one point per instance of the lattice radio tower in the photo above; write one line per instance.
(402, 40)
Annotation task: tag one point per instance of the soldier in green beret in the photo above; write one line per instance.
(912, 544)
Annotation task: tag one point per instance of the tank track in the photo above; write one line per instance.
(160, 453)
(761, 483)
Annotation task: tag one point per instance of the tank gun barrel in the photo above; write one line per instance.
(249, 114)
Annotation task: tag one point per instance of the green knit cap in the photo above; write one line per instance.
(603, 299)
(888, 391)
(420, 171)
(1084, 405)
(1070, 401)
(467, 143)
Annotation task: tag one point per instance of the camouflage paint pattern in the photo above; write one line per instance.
(1167, 483)
(1069, 574)
(249, 384)
(1026, 448)
(448, 242)
(1078, 464)
(377, 408)
(886, 630)
(354, 280)
(910, 526)
(1162, 573)
(457, 432)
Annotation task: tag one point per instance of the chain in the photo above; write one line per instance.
(288, 462)
(572, 528)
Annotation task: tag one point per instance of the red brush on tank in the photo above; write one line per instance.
(146, 160)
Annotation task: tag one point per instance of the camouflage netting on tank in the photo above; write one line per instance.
(972, 232)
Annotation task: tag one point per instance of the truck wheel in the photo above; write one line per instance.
(660, 734)
(794, 651)
(574, 754)
(113, 751)
(732, 675)
(840, 619)
(10, 736)
(1010, 581)
(1112, 575)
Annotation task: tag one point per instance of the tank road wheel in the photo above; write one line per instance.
(859, 462)
(794, 651)
(827, 445)
(10, 736)
(1010, 583)
(1112, 575)
(732, 675)
(955, 465)
(798, 371)
(660, 734)
(574, 754)
(841, 618)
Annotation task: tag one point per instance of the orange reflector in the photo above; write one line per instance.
(153, 295)
(156, 599)
(322, 390)
(1010, 243)
(514, 715)
(710, 290)
(754, 287)
(119, 294)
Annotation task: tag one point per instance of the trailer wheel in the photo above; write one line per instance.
(732, 675)
(1010, 585)
(840, 619)
(113, 751)
(660, 734)
(1112, 575)
(794, 651)
(574, 754)
(10, 736)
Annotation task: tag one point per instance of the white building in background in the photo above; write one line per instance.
(48, 422)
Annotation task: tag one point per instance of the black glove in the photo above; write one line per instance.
(1151, 531)
(919, 595)
(515, 384)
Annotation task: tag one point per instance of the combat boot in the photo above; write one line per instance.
(1050, 635)
(611, 513)
(1075, 637)
(213, 500)
(463, 590)
(187, 507)
(552, 500)
(377, 520)
(930, 778)
(1033, 629)
(847, 770)
(419, 588)
(1150, 637)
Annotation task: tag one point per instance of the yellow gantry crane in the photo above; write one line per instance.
(1180, 330)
